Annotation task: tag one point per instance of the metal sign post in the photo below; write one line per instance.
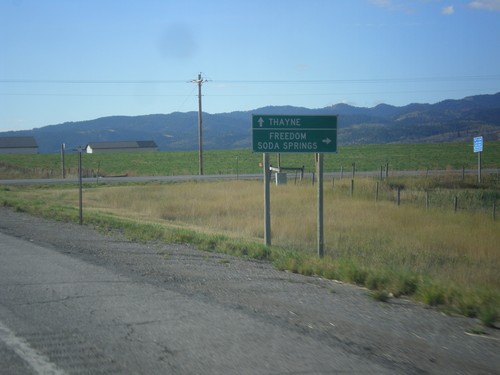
(478, 148)
(294, 134)
(267, 200)
(319, 158)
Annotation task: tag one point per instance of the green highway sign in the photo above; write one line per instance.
(290, 133)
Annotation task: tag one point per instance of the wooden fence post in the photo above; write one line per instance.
(455, 203)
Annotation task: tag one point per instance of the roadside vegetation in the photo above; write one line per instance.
(423, 249)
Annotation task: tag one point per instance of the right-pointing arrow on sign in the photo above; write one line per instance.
(327, 141)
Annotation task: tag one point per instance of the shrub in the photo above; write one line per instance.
(350, 271)
(377, 281)
(380, 295)
(404, 284)
(488, 315)
(432, 293)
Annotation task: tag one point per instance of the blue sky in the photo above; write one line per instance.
(72, 60)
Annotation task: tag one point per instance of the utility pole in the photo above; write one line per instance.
(200, 81)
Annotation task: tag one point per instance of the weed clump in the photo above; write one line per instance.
(380, 295)
(352, 272)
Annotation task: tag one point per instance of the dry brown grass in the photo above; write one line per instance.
(459, 248)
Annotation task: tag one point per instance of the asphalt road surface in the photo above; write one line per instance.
(73, 301)
(180, 178)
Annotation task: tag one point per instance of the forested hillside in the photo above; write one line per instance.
(446, 121)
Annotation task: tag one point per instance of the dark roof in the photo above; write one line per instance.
(18, 142)
(147, 144)
(122, 144)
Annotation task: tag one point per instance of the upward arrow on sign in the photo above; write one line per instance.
(260, 121)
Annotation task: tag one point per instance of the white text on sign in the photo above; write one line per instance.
(284, 122)
(286, 146)
(287, 136)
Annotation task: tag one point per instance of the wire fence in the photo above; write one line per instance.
(454, 190)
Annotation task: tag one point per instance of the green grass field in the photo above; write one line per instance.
(365, 157)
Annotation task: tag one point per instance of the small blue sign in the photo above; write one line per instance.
(478, 144)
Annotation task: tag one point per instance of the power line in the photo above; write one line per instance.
(241, 92)
(266, 94)
(95, 95)
(83, 81)
(186, 98)
(370, 80)
(277, 81)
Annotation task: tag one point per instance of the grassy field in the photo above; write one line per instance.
(365, 157)
(423, 249)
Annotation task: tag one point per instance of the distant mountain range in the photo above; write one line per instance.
(446, 121)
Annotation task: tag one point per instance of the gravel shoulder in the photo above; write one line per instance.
(401, 336)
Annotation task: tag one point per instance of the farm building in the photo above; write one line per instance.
(18, 145)
(121, 146)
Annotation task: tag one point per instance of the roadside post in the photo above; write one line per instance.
(63, 171)
(478, 148)
(294, 134)
(321, 231)
(80, 183)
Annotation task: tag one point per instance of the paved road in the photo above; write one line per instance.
(345, 174)
(84, 317)
(130, 179)
(73, 301)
